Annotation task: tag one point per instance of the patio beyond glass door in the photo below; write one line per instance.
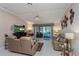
(46, 31)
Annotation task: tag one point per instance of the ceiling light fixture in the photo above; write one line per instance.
(29, 3)
(36, 17)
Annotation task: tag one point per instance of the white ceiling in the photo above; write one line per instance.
(47, 12)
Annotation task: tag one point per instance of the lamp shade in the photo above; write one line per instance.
(69, 35)
(57, 28)
(29, 26)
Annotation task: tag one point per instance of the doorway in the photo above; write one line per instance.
(44, 32)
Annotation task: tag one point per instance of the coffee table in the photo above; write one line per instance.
(40, 44)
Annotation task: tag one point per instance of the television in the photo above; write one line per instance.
(19, 28)
(19, 31)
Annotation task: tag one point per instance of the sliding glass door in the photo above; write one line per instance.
(44, 32)
(47, 32)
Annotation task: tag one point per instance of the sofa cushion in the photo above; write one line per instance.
(13, 37)
(28, 38)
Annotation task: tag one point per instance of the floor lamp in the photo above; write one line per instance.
(68, 43)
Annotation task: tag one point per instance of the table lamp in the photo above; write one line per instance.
(57, 29)
(69, 36)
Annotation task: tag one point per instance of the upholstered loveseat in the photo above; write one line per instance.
(24, 45)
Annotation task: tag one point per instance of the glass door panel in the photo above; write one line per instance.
(47, 32)
(43, 32)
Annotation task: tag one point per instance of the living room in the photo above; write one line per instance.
(52, 26)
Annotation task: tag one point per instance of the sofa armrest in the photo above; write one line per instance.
(34, 48)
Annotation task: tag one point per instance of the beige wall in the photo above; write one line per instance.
(75, 29)
(6, 21)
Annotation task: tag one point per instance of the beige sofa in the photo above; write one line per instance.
(24, 45)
